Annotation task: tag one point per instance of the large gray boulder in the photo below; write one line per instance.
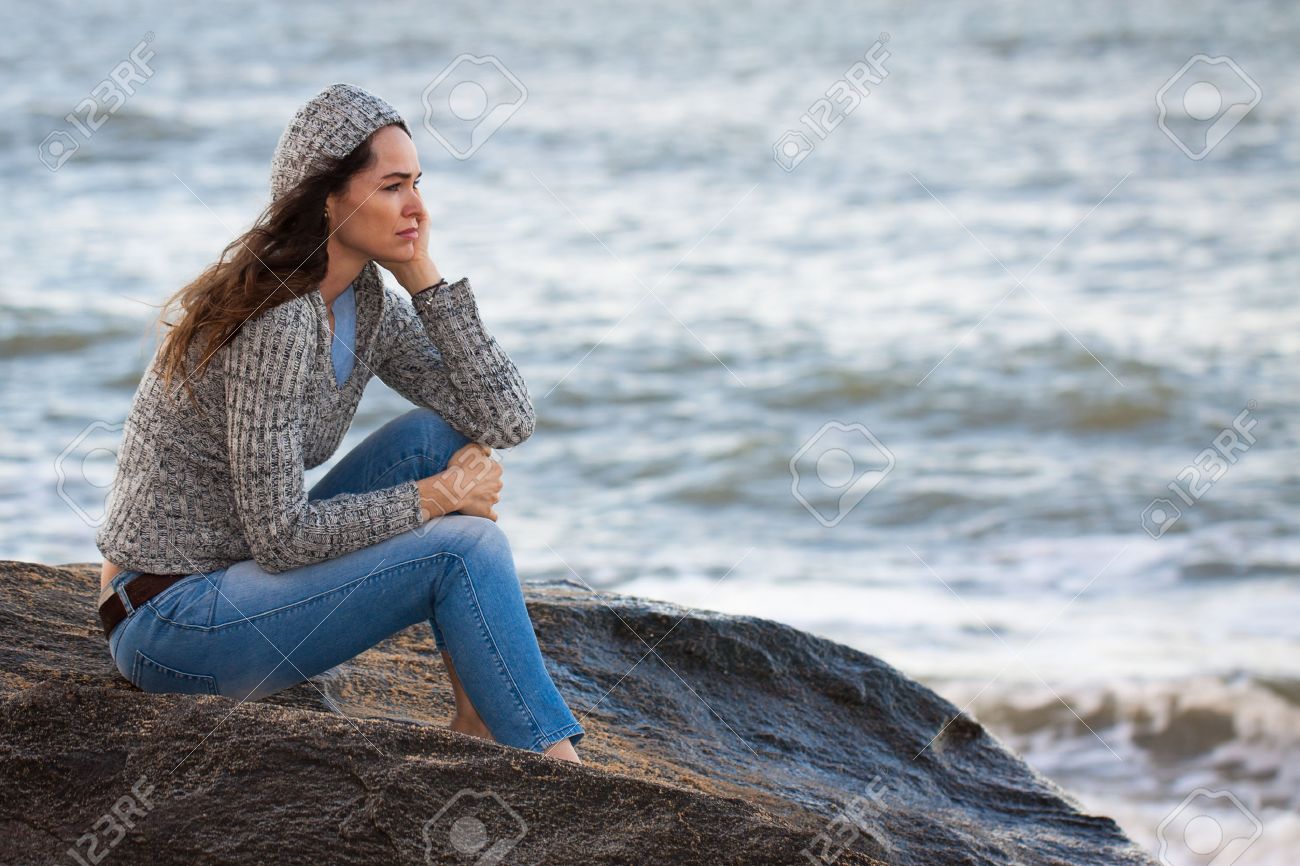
(737, 740)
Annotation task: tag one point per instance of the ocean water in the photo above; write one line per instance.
(921, 393)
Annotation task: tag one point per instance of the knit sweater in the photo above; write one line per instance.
(201, 489)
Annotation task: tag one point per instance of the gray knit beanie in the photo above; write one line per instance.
(331, 124)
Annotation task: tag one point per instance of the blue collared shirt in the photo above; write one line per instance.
(345, 332)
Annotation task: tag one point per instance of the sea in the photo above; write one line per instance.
(964, 334)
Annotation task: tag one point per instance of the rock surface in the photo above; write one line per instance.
(737, 740)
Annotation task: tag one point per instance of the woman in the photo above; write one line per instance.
(221, 574)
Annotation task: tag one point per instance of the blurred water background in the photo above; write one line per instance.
(1037, 303)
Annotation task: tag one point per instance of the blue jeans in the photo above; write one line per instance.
(244, 633)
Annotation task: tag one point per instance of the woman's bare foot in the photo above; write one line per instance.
(466, 719)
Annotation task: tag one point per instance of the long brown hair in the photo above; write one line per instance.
(282, 256)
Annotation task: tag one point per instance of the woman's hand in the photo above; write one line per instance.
(471, 484)
(418, 272)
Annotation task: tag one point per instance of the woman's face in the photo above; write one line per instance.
(380, 202)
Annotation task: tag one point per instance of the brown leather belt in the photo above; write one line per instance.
(139, 590)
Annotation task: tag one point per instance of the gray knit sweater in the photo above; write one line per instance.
(197, 490)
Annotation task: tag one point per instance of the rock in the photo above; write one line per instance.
(737, 740)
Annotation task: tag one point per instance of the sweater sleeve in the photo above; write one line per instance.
(436, 352)
(267, 368)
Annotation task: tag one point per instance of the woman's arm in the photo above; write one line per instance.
(435, 351)
(267, 369)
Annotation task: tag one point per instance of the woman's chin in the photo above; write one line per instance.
(403, 251)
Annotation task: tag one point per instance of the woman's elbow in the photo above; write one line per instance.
(510, 430)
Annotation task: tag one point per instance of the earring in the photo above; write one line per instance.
(327, 214)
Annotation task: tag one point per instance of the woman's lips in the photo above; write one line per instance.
(409, 234)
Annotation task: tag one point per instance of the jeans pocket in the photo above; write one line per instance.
(150, 676)
(189, 601)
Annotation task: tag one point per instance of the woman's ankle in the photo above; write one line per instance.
(563, 750)
(471, 725)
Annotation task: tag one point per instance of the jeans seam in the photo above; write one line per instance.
(514, 686)
(564, 733)
(212, 608)
(320, 596)
(204, 679)
(401, 462)
(439, 647)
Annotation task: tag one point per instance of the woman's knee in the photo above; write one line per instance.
(479, 542)
(421, 443)
(471, 534)
(432, 426)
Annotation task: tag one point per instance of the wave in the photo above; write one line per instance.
(1240, 730)
(29, 344)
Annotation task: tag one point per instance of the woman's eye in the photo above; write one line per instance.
(396, 186)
